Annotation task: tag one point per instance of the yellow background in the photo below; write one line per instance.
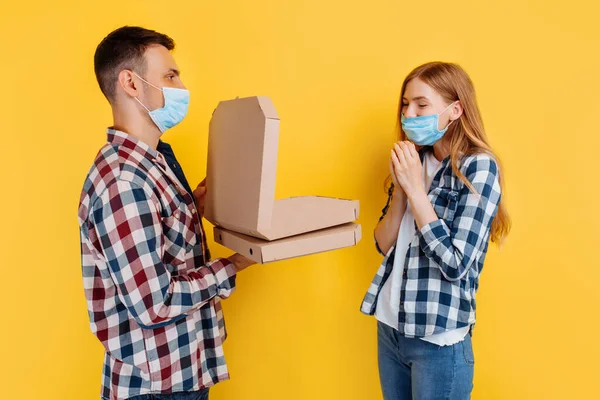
(334, 71)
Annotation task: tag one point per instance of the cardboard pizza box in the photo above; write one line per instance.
(241, 174)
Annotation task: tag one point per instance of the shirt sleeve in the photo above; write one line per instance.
(129, 234)
(455, 248)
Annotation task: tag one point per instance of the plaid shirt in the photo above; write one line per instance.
(445, 258)
(153, 299)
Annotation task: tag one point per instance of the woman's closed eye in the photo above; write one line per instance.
(404, 105)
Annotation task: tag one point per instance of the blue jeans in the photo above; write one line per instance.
(415, 369)
(199, 395)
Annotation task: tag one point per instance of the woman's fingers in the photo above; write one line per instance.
(410, 152)
(413, 150)
(405, 148)
(400, 154)
(395, 163)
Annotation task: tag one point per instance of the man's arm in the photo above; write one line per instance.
(129, 236)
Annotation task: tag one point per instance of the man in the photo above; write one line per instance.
(153, 294)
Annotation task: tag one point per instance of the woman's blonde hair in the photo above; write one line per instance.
(467, 135)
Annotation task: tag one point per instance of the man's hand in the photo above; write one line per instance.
(200, 195)
(240, 262)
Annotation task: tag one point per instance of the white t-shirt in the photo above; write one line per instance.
(388, 302)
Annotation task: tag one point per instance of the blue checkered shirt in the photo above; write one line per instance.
(445, 258)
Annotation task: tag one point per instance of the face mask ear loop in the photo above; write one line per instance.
(145, 81)
(142, 104)
(451, 121)
(445, 109)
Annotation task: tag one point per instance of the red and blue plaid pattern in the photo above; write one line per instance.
(445, 258)
(152, 295)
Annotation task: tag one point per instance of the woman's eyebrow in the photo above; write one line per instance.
(416, 98)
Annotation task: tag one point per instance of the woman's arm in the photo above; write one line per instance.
(456, 246)
(386, 231)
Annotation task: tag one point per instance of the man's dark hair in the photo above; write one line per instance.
(122, 49)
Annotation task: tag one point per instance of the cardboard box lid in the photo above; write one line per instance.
(242, 164)
(241, 174)
(263, 251)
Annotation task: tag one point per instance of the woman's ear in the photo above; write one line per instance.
(457, 111)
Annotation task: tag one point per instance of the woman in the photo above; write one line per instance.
(443, 209)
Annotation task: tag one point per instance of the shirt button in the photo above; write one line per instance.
(176, 215)
(193, 211)
(401, 304)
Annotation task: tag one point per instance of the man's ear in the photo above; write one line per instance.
(127, 83)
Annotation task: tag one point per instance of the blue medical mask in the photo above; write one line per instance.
(423, 131)
(175, 109)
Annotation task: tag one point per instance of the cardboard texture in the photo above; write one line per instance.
(263, 251)
(240, 177)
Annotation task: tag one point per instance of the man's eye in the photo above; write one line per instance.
(422, 105)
